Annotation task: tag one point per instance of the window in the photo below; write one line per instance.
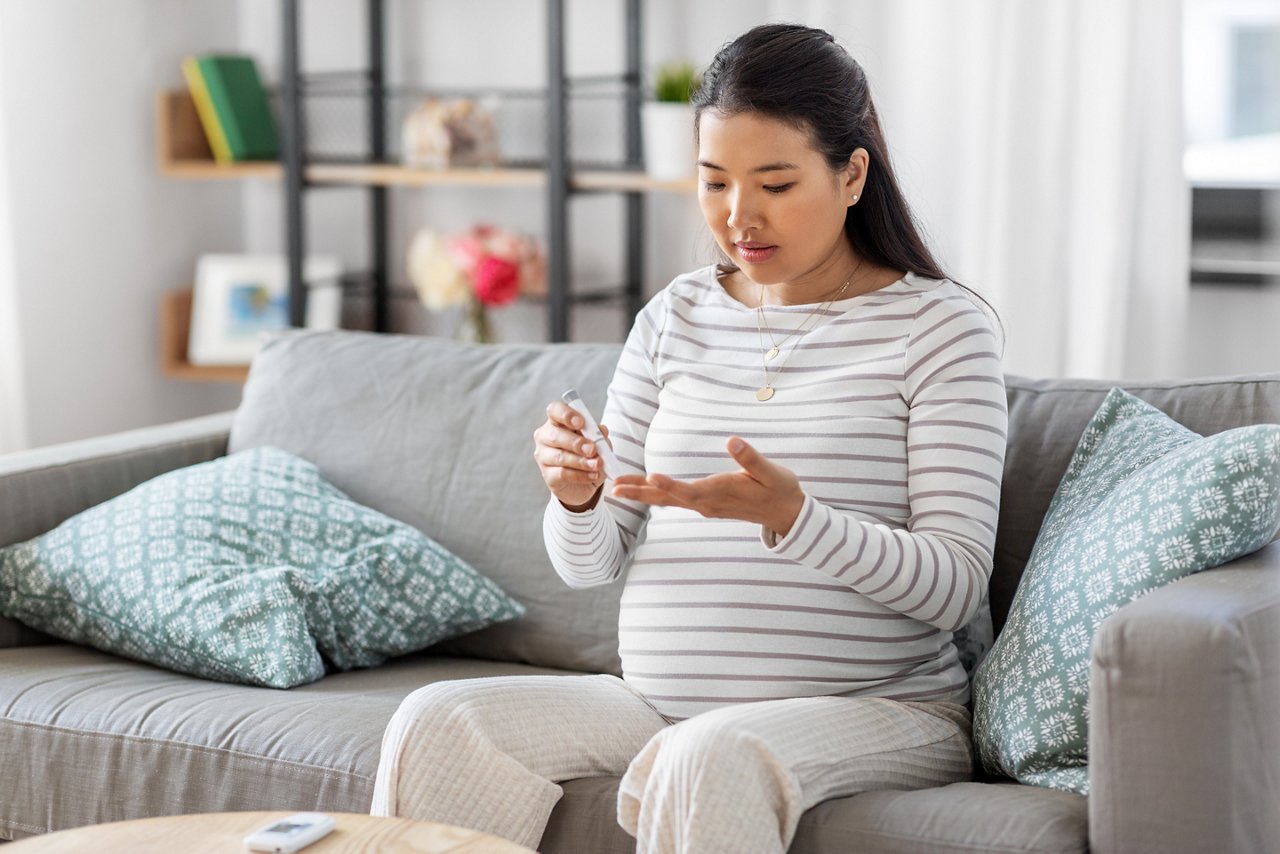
(1231, 84)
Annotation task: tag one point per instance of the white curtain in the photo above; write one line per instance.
(1041, 144)
(13, 415)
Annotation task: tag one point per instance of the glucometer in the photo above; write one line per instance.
(592, 431)
(292, 833)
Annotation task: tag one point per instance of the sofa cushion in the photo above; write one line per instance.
(1145, 501)
(440, 435)
(96, 738)
(1046, 418)
(962, 818)
(247, 568)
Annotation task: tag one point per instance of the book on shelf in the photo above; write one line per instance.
(204, 109)
(233, 107)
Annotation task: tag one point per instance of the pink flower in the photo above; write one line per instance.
(496, 280)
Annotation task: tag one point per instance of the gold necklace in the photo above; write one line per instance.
(766, 391)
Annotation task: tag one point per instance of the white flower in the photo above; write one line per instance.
(1132, 568)
(1208, 503)
(439, 282)
(1252, 494)
(1241, 458)
(1176, 553)
(1074, 640)
(1097, 588)
(1047, 694)
(1215, 541)
(1059, 729)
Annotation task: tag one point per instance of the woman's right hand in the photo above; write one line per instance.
(570, 465)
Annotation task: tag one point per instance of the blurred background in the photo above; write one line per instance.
(1106, 172)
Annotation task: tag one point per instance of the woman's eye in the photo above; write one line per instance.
(712, 187)
(778, 188)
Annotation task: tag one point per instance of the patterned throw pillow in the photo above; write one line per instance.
(1144, 502)
(249, 569)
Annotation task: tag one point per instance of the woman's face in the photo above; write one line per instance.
(774, 205)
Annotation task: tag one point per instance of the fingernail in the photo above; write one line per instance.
(736, 445)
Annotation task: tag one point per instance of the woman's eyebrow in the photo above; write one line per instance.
(768, 167)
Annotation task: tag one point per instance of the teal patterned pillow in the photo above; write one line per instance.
(1145, 501)
(250, 568)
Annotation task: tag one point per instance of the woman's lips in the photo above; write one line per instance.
(755, 253)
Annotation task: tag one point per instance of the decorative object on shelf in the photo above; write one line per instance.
(479, 268)
(233, 107)
(239, 297)
(450, 132)
(667, 123)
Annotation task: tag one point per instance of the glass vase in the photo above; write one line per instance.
(474, 328)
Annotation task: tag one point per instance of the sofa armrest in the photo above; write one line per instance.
(1184, 731)
(41, 488)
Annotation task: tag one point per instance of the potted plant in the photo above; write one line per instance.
(667, 123)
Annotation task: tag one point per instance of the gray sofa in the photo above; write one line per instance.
(1185, 736)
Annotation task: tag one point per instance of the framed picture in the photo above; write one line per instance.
(240, 298)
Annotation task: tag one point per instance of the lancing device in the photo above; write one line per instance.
(593, 434)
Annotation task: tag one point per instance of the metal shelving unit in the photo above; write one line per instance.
(562, 180)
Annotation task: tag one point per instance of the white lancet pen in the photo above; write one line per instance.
(592, 431)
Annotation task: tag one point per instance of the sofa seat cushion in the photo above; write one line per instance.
(97, 738)
(963, 818)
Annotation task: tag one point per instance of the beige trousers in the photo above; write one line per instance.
(488, 753)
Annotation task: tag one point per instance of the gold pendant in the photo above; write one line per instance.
(773, 352)
(764, 393)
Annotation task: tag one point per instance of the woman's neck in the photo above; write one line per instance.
(814, 289)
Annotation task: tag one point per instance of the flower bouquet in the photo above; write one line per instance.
(482, 267)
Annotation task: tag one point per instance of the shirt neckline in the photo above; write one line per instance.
(724, 296)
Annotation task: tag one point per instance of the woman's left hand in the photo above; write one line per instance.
(762, 491)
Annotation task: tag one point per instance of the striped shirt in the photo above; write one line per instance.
(891, 411)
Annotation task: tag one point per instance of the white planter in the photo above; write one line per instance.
(669, 153)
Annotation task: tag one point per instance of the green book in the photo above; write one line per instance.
(241, 104)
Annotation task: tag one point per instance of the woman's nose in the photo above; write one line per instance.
(742, 214)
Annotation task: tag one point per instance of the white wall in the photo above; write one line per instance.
(95, 234)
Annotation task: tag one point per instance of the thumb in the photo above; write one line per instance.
(748, 457)
(604, 431)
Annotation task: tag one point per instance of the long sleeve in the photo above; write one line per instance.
(936, 569)
(593, 547)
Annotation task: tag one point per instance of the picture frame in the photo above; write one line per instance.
(240, 299)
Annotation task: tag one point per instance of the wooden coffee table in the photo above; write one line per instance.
(222, 833)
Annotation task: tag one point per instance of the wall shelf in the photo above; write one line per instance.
(183, 152)
(175, 330)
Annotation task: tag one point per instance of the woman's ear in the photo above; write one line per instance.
(855, 175)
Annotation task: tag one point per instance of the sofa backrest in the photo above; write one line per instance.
(1046, 420)
(440, 435)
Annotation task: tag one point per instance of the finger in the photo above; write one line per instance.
(604, 431)
(564, 439)
(564, 415)
(575, 477)
(657, 489)
(552, 457)
(756, 464)
(646, 495)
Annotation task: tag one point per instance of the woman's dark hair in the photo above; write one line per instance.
(799, 75)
